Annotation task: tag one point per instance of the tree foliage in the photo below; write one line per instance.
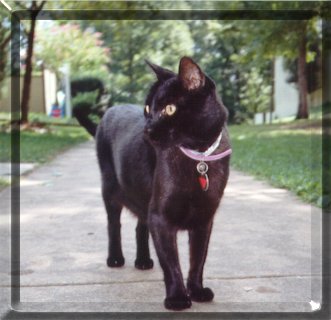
(220, 46)
(68, 43)
(237, 54)
(5, 34)
(291, 39)
(33, 7)
(133, 41)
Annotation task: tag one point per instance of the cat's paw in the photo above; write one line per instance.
(178, 302)
(201, 294)
(144, 264)
(115, 262)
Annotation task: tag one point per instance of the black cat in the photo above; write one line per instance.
(154, 163)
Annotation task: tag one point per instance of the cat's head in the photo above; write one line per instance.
(183, 109)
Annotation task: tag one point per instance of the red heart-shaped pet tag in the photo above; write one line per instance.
(204, 183)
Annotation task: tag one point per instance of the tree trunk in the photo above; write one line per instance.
(302, 79)
(4, 55)
(28, 74)
(5, 42)
(28, 63)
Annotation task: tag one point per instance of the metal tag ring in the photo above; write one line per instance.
(202, 167)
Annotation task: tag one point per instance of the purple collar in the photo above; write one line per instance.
(206, 156)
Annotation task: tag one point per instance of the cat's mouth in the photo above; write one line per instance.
(158, 137)
(151, 136)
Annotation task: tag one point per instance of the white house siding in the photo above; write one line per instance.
(50, 89)
(286, 97)
(42, 94)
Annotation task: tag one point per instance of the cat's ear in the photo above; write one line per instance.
(190, 74)
(162, 74)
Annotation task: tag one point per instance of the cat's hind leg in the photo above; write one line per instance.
(113, 208)
(110, 188)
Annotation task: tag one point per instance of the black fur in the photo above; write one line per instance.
(87, 84)
(82, 111)
(144, 170)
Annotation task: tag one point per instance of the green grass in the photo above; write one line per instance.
(41, 147)
(40, 118)
(38, 147)
(3, 183)
(287, 158)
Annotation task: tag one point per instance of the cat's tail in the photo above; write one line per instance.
(81, 111)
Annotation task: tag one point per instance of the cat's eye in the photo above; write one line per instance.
(169, 110)
(147, 108)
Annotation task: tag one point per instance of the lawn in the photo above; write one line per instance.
(286, 155)
(39, 146)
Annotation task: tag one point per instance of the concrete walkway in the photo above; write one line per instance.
(264, 252)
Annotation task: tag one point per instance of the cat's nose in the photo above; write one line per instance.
(149, 127)
(150, 132)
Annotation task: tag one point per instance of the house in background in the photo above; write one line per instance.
(42, 95)
(286, 94)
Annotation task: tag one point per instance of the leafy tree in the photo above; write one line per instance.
(219, 46)
(68, 43)
(288, 38)
(214, 52)
(34, 8)
(133, 41)
(255, 94)
(5, 35)
(28, 28)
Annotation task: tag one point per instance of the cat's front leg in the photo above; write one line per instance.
(143, 260)
(164, 237)
(199, 240)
